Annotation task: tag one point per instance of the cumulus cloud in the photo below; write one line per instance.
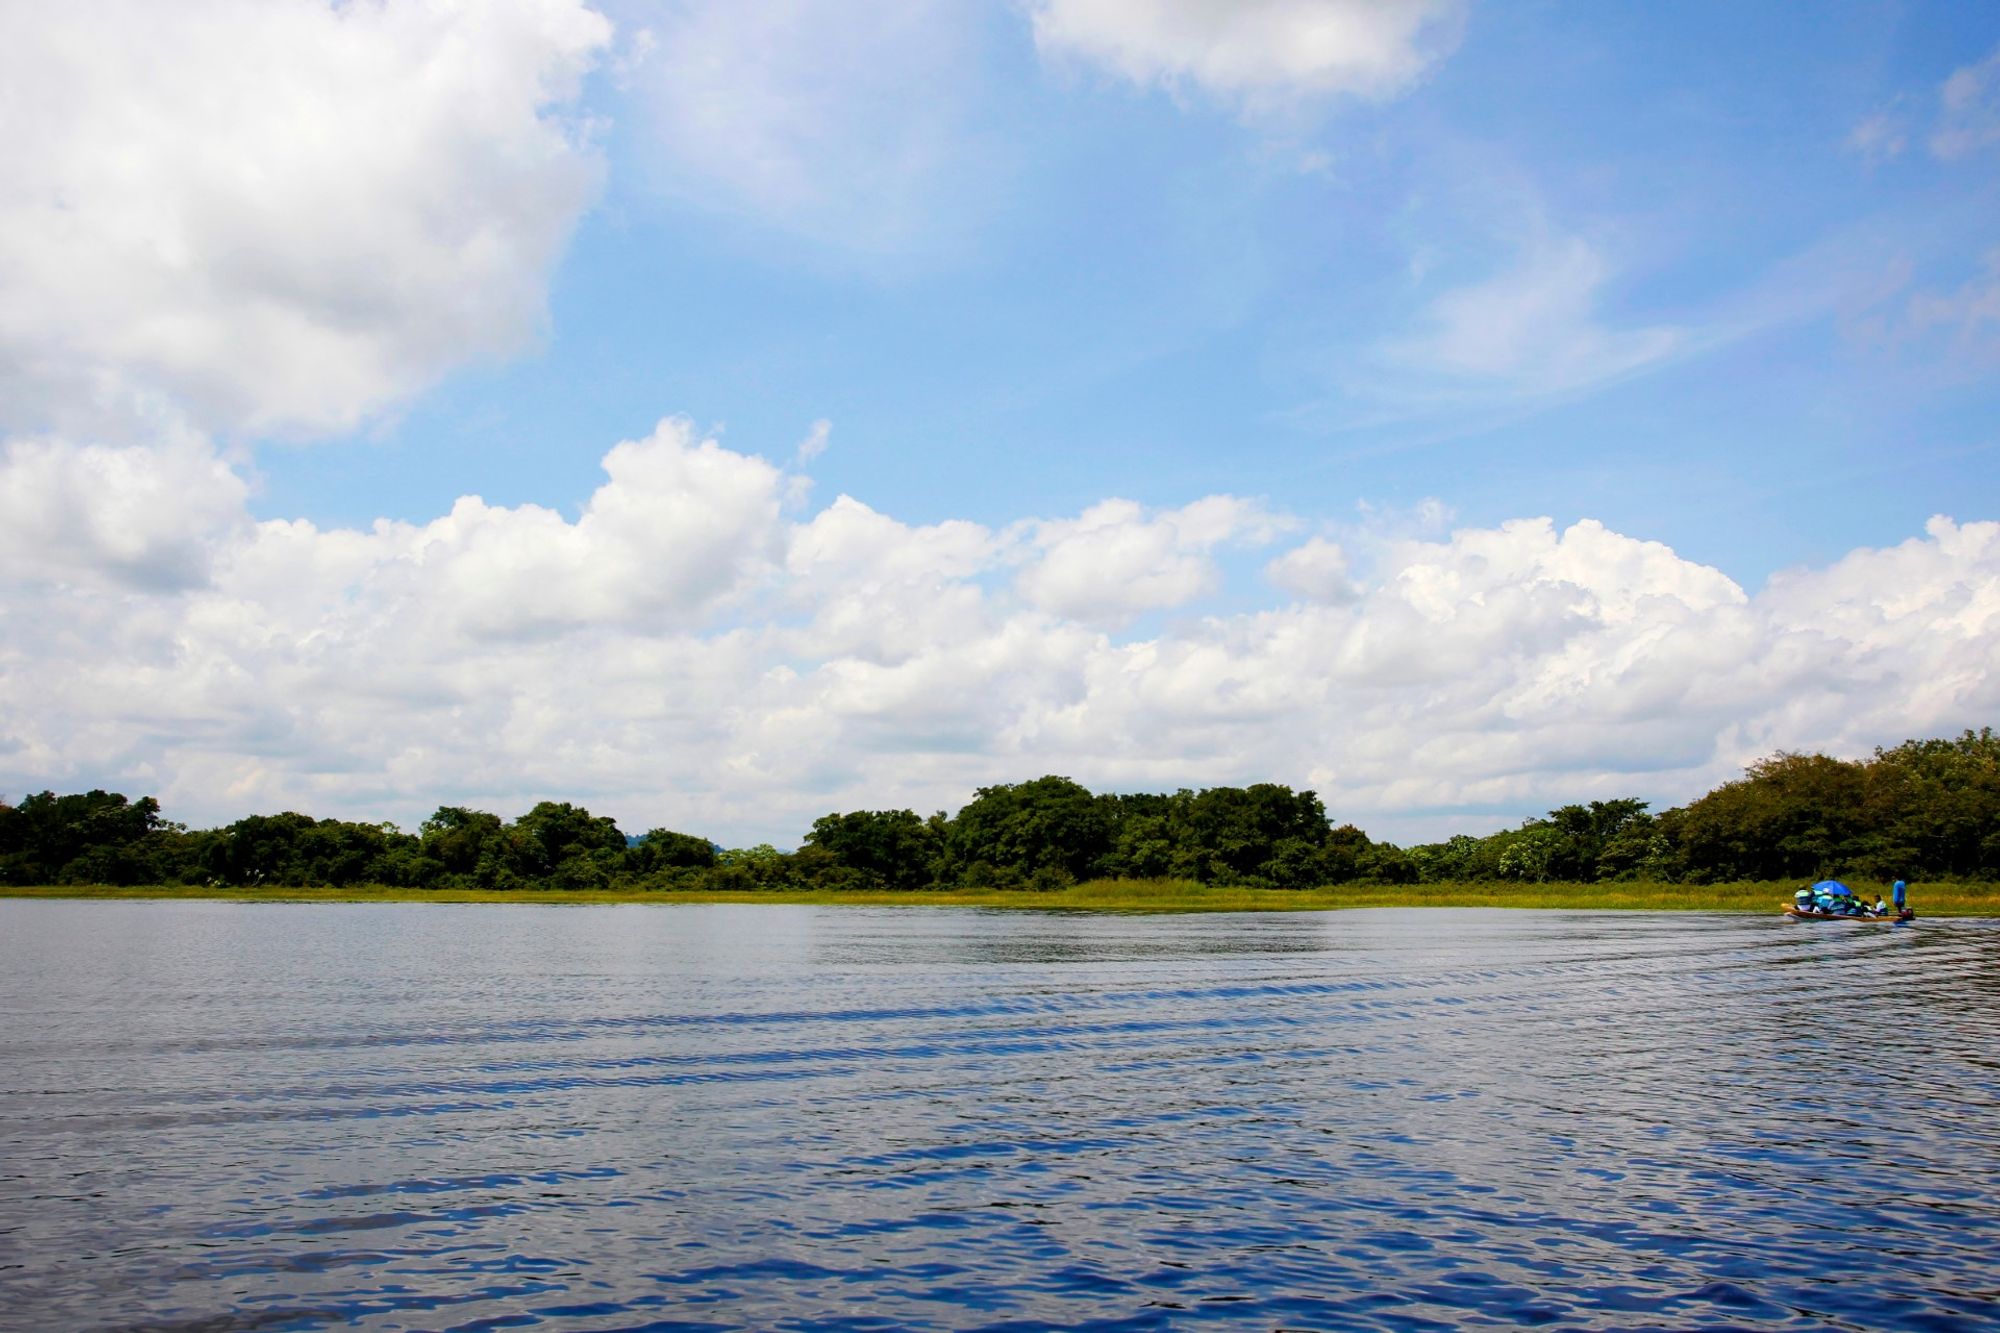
(145, 518)
(1114, 561)
(681, 526)
(1316, 571)
(877, 590)
(686, 650)
(1255, 50)
(279, 215)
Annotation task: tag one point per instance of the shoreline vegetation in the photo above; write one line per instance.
(1925, 811)
(1135, 896)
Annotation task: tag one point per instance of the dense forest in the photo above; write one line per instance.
(1926, 809)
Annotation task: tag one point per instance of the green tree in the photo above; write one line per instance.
(98, 836)
(665, 850)
(1386, 863)
(1584, 832)
(1934, 807)
(1149, 836)
(471, 845)
(558, 832)
(1531, 855)
(892, 847)
(741, 869)
(1344, 855)
(1238, 829)
(259, 849)
(1446, 862)
(1050, 822)
(1790, 816)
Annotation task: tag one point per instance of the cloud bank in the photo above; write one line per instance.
(694, 648)
(279, 216)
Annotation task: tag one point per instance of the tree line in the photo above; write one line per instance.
(1925, 809)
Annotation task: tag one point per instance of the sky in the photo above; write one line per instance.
(725, 412)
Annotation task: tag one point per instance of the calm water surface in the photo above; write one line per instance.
(222, 1116)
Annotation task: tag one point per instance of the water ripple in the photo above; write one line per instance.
(428, 1118)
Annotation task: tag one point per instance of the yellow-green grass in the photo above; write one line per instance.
(1123, 895)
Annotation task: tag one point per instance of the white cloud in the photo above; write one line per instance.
(1255, 50)
(1969, 109)
(681, 526)
(1969, 315)
(1953, 330)
(1534, 326)
(1879, 138)
(1113, 561)
(1316, 571)
(685, 652)
(142, 518)
(815, 442)
(830, 120)
(279, 215)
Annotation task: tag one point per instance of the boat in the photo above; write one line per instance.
(1815, 904)
(1893, 919)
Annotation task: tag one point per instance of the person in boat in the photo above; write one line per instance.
(1899, 889)
(1881, 908)
(1802, 901)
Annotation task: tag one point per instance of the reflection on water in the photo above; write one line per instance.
(224, 1116)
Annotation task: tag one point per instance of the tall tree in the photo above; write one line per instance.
(892, 846)
(1050, 823)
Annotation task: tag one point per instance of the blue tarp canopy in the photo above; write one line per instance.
(1833, 888)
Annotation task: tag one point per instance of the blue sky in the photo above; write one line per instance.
(867, 402)
(1093, 288)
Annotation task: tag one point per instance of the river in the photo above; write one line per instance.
(227, 1116)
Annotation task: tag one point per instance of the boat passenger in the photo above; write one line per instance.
(1898, 889)
(1881, 908)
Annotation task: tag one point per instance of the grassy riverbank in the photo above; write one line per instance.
(1981, 899)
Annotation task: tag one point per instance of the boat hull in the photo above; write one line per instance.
(1894, 919)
